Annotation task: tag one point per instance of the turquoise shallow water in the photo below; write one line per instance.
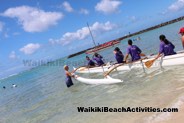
(42, 96)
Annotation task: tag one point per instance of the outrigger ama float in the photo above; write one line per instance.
(106, 80)
(177, 59)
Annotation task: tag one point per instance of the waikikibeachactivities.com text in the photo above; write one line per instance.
(127, 109)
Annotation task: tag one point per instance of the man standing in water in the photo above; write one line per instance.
(182, 36)
(69, 76)
(133, 51)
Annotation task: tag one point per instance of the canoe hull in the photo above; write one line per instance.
(105, 81)
(172, 60)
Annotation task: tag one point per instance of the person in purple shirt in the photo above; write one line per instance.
(133, 51)
(91, 63)
(98, 59)
(118, 55)
(166, 47)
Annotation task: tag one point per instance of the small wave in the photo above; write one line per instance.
(15, 74)
(160, 117)
(9, 76)
(112, 90)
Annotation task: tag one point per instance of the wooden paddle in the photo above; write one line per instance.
(149, 63)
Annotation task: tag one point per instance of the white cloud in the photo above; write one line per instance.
(67, 7)
(33, 19)
(30, 48)
(102, 27)
(84, 11)
(83, 33)
(12, 55)
(177, 5)
(1, 26)
(108, 6)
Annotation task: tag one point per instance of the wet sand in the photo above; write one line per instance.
(176, 117)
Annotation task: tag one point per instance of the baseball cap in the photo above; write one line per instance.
(181, 30)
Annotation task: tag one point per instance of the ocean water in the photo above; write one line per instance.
(41, 95)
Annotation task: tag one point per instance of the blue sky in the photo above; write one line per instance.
(51, 29)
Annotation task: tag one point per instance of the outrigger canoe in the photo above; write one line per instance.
(177, 59)
(107, 80)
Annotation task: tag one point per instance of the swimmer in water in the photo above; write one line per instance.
(13, 85)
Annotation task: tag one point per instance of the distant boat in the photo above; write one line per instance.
(102, 46)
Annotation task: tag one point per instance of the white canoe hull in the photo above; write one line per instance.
(107, 80)
(172, 60)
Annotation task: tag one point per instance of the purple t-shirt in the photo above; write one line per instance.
(134, 51)
(119, 57)
(99, 60)
(167, 49)
(91, 63)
